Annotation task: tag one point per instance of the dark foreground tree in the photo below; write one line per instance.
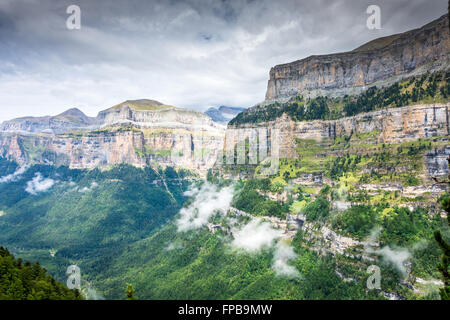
(26, 281)
(130, 292)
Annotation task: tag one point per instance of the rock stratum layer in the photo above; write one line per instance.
(379, 62)
(388, 126)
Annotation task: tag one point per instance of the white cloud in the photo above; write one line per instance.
(88, 189)
(255, 236)
(282, 255)
(208, 200)
(92, 294)
(39, 184)
(15, 175)
(191, 53)
(259, 235)
(177, 245)
(396, 256)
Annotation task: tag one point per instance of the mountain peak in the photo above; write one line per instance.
(72, 112)
(143, 104)
(75, 116)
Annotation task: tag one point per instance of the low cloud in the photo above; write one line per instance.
(282, 255)
(88, 189)
(258, 235)
(397, 257)
(92, 294)
(373, 236)
(208, 200)
(255, 236)
(252, 237)
(39, 184)
(14, 176)
(177, 245)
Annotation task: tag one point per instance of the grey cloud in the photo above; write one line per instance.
(192, 53)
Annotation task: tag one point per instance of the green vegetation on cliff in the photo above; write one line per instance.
(250, 200)
(428, 88)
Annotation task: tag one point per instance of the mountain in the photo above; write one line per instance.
(380, 62)
(138, 132)
(66, 121)
(223, 114)
(358, 140)
(355, 187)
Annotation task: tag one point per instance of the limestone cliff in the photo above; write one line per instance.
(388, 126)
(140, 132)
(379, 62)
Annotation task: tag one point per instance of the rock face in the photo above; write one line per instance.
(162, 117)
(140, 132)
(436, 162)
(393, 125)
(66, 121)
(147, 132)
(379, 62)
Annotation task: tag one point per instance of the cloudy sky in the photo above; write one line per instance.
(193, 53)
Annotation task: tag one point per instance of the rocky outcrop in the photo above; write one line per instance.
(436, 162)
(379, 62)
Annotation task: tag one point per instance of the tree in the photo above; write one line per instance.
(445, 246)
(130, 292)
(28, 281)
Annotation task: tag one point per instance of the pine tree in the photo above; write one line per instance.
(28, 281)
(130, 292)
(443, 266)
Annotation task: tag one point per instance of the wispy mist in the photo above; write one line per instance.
(208, 200)
(282, 255)
(15, 175)
(255, 235)
(39, 184)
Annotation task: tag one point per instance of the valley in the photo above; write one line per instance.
(177, 202)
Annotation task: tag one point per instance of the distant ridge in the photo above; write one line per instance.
(223, 114)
